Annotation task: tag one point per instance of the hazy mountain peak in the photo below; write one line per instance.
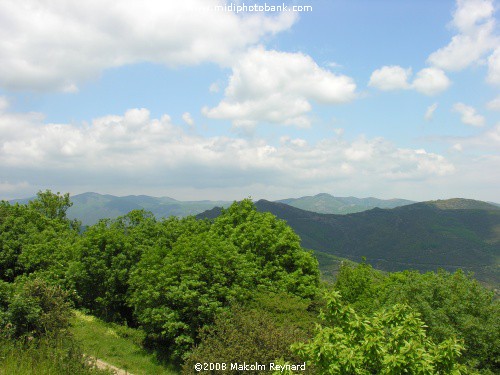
(461, 204)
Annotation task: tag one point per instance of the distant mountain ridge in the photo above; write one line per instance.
(328, 204)
(90, 207)
(423, 236)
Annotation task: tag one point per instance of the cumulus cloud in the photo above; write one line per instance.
(55, 45)
(431, 81)
(468, 115)
(186, 116)
(494, 104)
(428, 81)
(390, 78)
(494, 67)
(141, 152)
(278, 87)
(474, 21)
(429, 113)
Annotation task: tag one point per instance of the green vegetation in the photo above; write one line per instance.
(179, 289)
(418, 236)
(261, 331)
(165, 294)
(390, 341)
(116, 344)
(34, 336)
(55, 357)
(451, 305)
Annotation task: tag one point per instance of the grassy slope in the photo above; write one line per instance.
(117, 345)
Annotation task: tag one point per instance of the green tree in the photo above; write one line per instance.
(54, 206)
(391, 341)
(181, 284)
(107, 253)
(177, 291)
(31, 242)
(273, 245)
(451, 304)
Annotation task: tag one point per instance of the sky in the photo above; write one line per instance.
(226, 100)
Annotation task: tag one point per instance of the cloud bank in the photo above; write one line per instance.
(146, 153)
(56, 45)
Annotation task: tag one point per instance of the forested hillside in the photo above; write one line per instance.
(235, 290)
(458, 234)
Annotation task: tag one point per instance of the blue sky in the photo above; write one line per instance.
(377, 98)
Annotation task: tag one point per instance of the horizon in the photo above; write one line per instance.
(253, 199)
(359, 98)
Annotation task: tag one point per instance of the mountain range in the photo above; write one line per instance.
(327, 204)
(90, 207)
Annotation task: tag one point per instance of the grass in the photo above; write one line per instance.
(44, 357)
(118, 345)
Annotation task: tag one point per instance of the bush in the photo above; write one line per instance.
(391, 341)
(261, 331)
(450, 304)
(36, 309)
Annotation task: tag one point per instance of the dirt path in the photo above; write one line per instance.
(102, 365)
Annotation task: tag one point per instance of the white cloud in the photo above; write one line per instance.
(390, 78)
(431, 81)
(55, 45)
(429, 113)
(428, 81)
(476, 25)
(494, 104)
(468, 115)
(494, 67)
(144, 153)
(186, 116)
(487, 141)
(277, 87)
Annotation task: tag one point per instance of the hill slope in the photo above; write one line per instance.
(418, 236)
(328, 204)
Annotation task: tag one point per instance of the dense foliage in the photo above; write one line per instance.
(33, 309)
(105, 256)
(34, 336)
(390, 341)
(452, 305)
(179, 289)
(259, 331)
(32, 242)
(236, 288)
